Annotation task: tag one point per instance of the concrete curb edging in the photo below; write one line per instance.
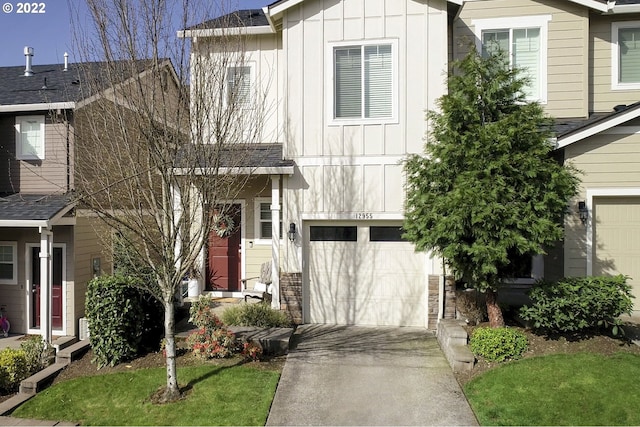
(453, 340)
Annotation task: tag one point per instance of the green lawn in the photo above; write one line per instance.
(562, 389)
(236, 395)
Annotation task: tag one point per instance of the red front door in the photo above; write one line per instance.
(56, 292)
(223, 263)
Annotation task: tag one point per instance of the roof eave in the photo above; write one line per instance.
(265, 170)
(218, 32)
(624, 8)
(596, 128)
(15, 108)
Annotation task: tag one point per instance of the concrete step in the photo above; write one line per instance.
(69, 354)
(40, 380)
(13, 402)
(63, 342)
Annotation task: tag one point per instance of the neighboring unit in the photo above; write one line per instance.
(583, 59)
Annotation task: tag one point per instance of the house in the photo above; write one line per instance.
(583, 59)
(49, 246)
(352, 80)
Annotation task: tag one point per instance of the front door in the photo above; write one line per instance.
(56, 293)
(223, 261)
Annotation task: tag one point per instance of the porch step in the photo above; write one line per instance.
(68, 354)
(40, 380)
(61, 343)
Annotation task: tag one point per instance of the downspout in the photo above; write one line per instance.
(66, 119)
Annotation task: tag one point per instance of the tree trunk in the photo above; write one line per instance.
(493, 310)
(172, 391)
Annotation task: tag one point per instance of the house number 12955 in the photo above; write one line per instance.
(363, 215)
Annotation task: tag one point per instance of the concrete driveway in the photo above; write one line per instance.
(346, 375)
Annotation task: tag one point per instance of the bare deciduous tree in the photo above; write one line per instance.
(155, 156)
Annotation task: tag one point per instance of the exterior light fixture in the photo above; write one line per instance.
(583, 211)
(292, 232)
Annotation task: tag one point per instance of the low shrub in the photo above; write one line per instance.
(498, 344)
(13, 368)
(251, 351)
(37, 353)
(208, 343)
(201, 315)
(578, 303)
(260, 315)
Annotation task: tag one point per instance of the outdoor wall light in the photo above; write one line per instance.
(583, 211)
(292, 232)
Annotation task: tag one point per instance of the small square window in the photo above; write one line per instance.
(30, 137)
(8, 263)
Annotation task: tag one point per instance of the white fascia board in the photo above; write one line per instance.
(218, 32)
(15, 108)
(266, 12)
(282, 6)
(280, 170)
(599, 127)
(624, 8)
(31, 223)
(592, 4)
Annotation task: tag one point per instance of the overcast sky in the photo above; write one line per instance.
(49, 30)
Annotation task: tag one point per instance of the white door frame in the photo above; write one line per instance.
(29, 285)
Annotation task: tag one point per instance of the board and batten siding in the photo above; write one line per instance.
(567, 55)
(346, 168)
(604, 98)
(608, 161)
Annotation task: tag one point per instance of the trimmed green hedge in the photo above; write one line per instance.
(120, 321)
(498, 344)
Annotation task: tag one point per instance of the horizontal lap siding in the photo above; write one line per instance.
(604, 98)
(607, 161)
(567, 82)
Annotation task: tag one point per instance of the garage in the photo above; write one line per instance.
(363, 274)
(617, 240)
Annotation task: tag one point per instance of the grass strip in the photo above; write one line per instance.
(561, 389)
(235, 395)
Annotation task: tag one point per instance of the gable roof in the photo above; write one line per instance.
(244, 21)
(595, 124)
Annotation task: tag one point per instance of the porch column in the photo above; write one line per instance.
(275, 240)
(46, 276)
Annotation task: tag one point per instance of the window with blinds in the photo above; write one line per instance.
(523, 48)
(239, 85)
(264, 221)
(629, 56)
(363, 81)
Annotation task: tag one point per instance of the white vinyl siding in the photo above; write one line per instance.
(363, 82)
(8, 263)
(30, 137)
(524, 40)
(625, 57)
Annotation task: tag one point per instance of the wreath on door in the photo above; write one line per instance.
(223, 225)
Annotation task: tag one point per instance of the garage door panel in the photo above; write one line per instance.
(617, 240)
(366, 283)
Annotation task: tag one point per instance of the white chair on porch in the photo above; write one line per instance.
(262, 285)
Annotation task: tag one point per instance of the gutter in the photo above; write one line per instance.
(37, 107)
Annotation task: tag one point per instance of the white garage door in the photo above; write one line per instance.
(364, 275)
(617, 240)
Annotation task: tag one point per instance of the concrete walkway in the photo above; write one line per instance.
(367, 376)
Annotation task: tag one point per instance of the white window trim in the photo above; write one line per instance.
(330, 83)
(519, 22)
(615, 52)
(259, 240)
(14, 280)
(250, 103)
(19, 154)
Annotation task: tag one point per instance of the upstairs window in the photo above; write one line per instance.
(8, 263)
(524, 41)
(625, 58)
(239, 85)
(364, 82)
(30, 137)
